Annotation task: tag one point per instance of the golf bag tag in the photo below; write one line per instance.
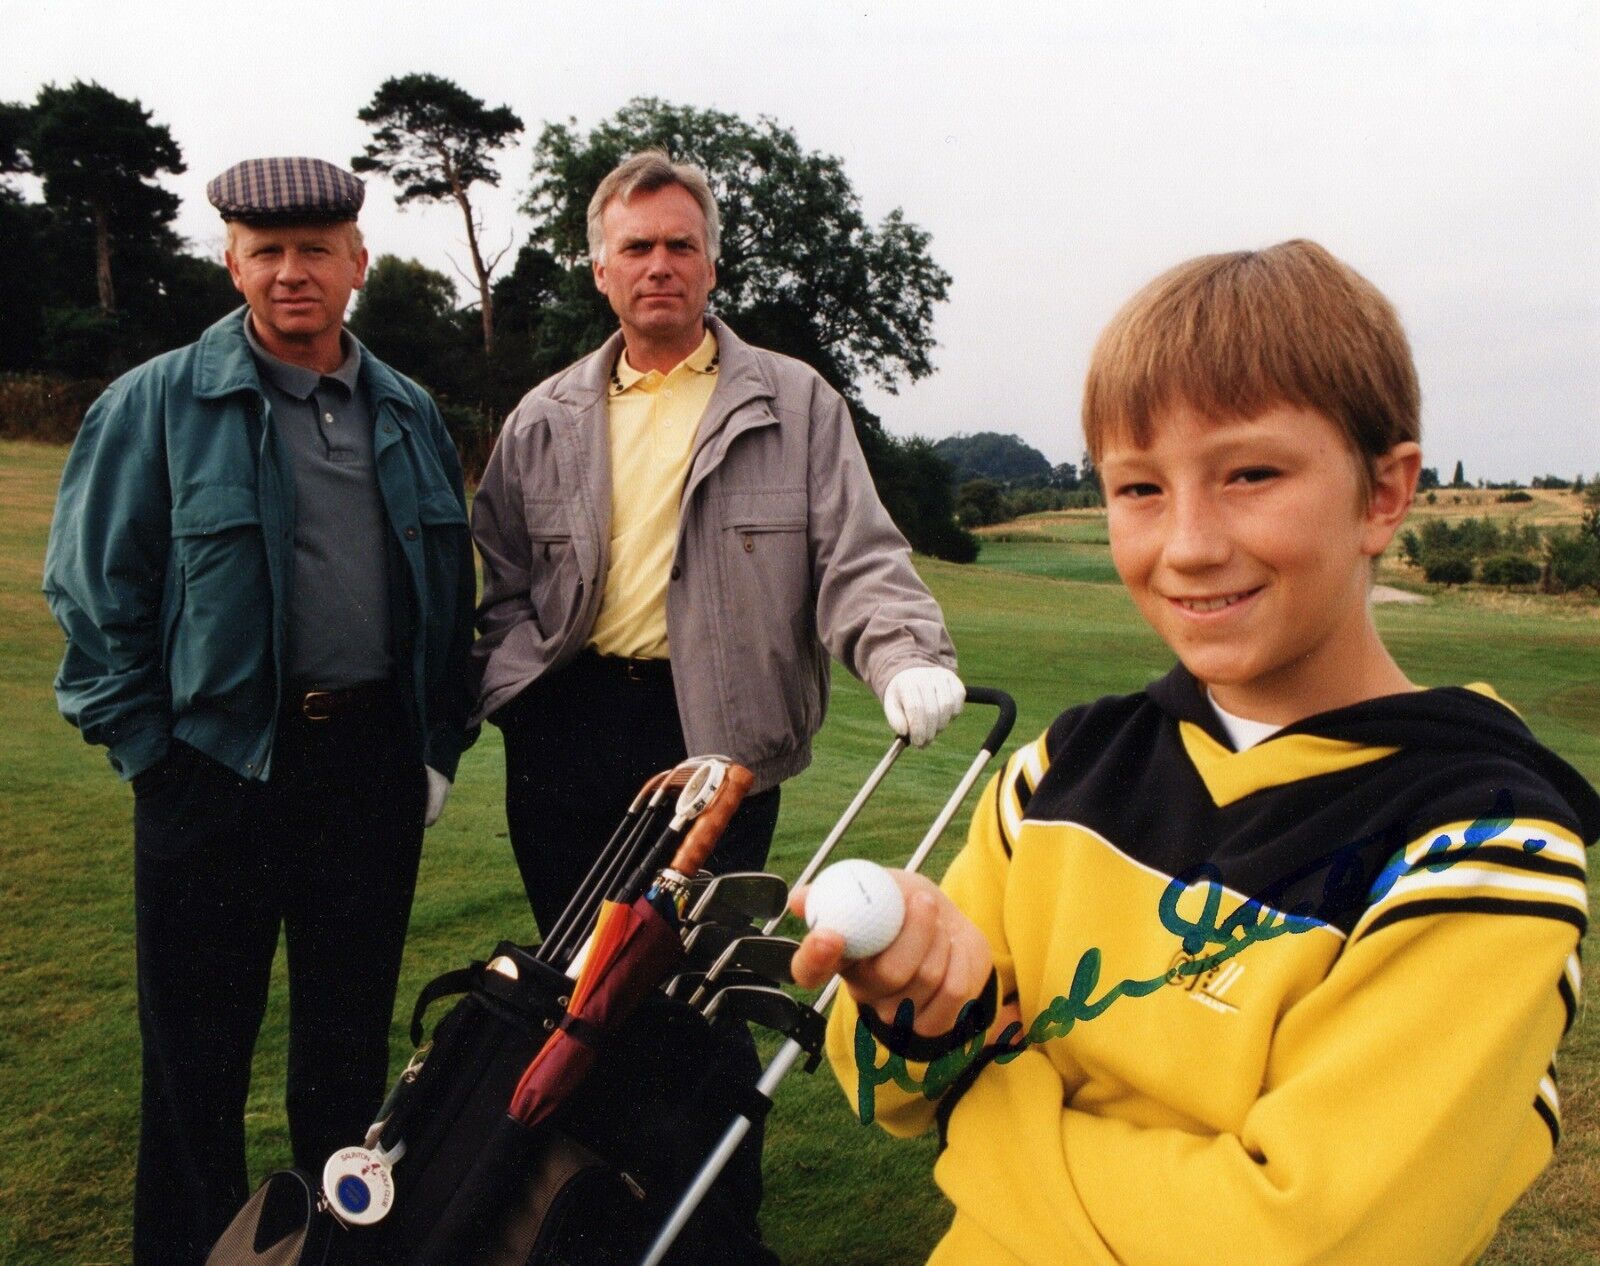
(358, 1186)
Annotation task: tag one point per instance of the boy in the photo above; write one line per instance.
(1267, 962)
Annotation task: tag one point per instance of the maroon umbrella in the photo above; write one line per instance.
(634, 947)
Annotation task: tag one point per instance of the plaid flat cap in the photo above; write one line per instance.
(286, 191)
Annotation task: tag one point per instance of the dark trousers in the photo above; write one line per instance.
(327, 850)
(579, 744)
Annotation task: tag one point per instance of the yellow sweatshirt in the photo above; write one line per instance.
(1297, 1004)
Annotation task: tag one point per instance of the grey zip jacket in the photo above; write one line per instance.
(784, 555)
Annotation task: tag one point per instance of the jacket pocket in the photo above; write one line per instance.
(766, 574)
(220, 634)
(443, 524)
(768, 528)
(446, 558)
(555, 581)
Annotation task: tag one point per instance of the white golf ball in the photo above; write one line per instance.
(860, 901)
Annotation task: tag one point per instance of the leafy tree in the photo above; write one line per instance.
(1428, 478)
(914, 484)
(21, 314)
(1090, 477)
(1448, 569)
(435, 141)
(1459, 479)
(1573, 558)
(407, 315)
(15, 121)
(801, 271)
(1508, 570)
(98, 155)
(1007, 459)
(980, 502)
(1064, 476)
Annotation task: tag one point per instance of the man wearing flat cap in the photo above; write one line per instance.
(261, 562)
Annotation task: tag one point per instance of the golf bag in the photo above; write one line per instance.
(642, 1161)
(449, 1176)
(475, 1187)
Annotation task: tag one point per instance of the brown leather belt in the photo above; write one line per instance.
(328, 705)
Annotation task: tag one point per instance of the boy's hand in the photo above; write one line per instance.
(940, 960)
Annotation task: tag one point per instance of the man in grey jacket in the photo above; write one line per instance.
(676, 532)
(685, 523)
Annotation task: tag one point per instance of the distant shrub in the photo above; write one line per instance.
(1508, 569)
(1447, 569)
(1083, 499)
(45, 407)
(1574, 557)
(1516, 494)
(951, 543)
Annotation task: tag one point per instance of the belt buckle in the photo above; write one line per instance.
(633, 670)
(316, 705)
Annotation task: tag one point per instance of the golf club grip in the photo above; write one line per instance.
(713, 820)
(1001, 729)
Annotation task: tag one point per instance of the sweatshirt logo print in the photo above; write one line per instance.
(1210, 987)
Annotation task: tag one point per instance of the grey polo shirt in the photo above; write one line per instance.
(339, 598)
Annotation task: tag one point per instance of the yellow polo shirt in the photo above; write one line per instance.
(653, 419)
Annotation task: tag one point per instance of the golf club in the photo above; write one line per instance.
(605, 878)
(771, 1008)
(767, 956)
(739, 897)
(791, 1051)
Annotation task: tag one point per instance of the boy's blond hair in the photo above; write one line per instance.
(1234, 335)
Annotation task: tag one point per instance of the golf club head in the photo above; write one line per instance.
(766, 956)
(686, 985)
(704, 942)
(702, 788)
(771, 1008)
(739, 897)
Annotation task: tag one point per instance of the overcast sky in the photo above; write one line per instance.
(1060, 155)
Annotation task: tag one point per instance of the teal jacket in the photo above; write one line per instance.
(172, 551)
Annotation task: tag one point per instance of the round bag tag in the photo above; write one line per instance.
(358, 1185)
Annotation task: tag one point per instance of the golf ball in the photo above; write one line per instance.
(861, 902)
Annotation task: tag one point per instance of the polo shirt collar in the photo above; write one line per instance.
(298, 381)
(703, 360)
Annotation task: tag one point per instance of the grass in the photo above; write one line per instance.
(1549, 507)
(837, 1194)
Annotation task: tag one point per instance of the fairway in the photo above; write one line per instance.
(1042, 619)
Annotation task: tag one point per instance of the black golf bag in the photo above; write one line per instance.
(644, 1154)
(473, 1187)
(448, 1176)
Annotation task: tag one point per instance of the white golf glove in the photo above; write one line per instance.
(438, 789)
(921, 701)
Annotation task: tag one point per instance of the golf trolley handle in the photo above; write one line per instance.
(1000, 731)
(790, 1052)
